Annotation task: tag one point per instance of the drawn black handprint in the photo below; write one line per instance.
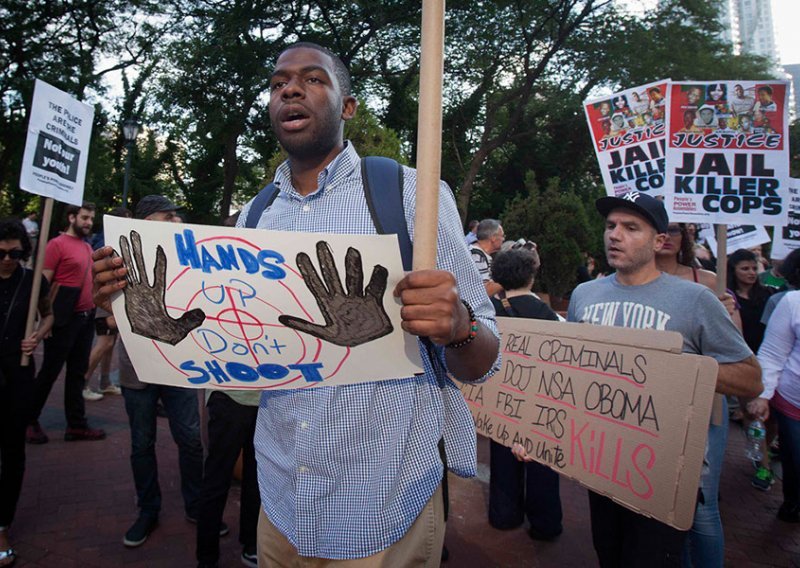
(352, 317)
(145, 304)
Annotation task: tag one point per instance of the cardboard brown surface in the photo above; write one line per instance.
(622, 411)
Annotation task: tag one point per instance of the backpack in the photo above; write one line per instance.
(383, 191)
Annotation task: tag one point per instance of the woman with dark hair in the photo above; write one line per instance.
(751, 295)
(517, 490)
(16, 381)
(779, 356)
(705, 545)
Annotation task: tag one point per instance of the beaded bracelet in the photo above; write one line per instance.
(473, 329)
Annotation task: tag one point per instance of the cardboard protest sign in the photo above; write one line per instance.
(218, 307)
(728, 152)
(622, 411)
(787, 238)
(57, 147)
(740, 237)
(628, 130)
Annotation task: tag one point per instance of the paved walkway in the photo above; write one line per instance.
(78, 501)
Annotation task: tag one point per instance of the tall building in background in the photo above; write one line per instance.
(748, 27)
(794, 72)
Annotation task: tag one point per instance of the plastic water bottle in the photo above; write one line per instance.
(755, 436)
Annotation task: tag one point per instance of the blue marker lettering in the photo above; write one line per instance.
(241, 372)
(271, 371)
(271, 271)
(310, 371)
(199, 379)
(187, 249)
(227, 258)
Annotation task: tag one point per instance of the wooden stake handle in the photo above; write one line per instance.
(44, 233)
(429, 134)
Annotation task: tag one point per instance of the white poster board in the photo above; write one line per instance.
(787, 238)
(628, 130)
(740, 237)
(728, 152)
(57, 146)
(225, 312)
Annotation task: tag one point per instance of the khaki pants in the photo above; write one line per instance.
(420, 546)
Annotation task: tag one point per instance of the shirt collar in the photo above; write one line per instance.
(338, 168)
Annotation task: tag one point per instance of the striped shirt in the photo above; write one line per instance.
(344, 471)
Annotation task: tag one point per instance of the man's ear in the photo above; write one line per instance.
(349, 106)
(661, 238)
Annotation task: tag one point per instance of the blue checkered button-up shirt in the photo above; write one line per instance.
(344, 471)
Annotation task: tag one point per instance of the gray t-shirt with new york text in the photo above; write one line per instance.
(667, 303)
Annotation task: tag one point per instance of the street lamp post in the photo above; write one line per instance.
(130, 130)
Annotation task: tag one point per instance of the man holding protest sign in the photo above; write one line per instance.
(354, 472)
(67, 264)
(640, 296)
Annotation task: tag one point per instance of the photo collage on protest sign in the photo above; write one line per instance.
(727, 152)
(628, 130)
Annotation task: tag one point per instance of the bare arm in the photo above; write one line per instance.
(492, 287)
(47, 273)
(740, 379)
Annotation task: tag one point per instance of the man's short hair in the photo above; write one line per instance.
(487, 229)
(14, 230)
(339, 68)
(74, 209)
(765, 89)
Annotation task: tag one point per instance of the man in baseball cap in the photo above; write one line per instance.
(638, 295)
(156, 208)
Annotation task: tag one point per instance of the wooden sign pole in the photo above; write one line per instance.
(722, 259)
(429, 134)
(44, 233)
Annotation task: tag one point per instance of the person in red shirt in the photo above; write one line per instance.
(68, 265)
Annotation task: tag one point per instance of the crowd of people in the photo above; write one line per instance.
(358, 472)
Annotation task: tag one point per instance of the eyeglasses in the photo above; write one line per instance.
(15, 254)
(673, 231)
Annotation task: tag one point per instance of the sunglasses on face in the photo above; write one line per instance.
(15, 254)
(673, 231)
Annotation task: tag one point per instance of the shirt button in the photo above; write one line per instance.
(304, 425)
(302, 469)
(306, 208)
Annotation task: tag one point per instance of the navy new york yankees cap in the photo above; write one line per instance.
(649, 207)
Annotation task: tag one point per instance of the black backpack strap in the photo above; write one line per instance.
(263, 200)
(383, 190)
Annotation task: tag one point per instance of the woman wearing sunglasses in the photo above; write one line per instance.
(16, 381)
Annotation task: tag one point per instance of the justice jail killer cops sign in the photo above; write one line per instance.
(628, 131)
(57, 146)
(622, 411)
(226, 308)
(728, 152)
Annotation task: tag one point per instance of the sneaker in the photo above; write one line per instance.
(763, 479)
(89, 394)
(536, 534)
(250, 556)
(140, 530)
(789, 514)
(79, 434)
(111, 389)
(35, 435)
(223, 527)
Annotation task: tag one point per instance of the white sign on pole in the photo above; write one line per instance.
(740, 237)
(728, 152)
(227, 308)
(788, 238)
(57, 147)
